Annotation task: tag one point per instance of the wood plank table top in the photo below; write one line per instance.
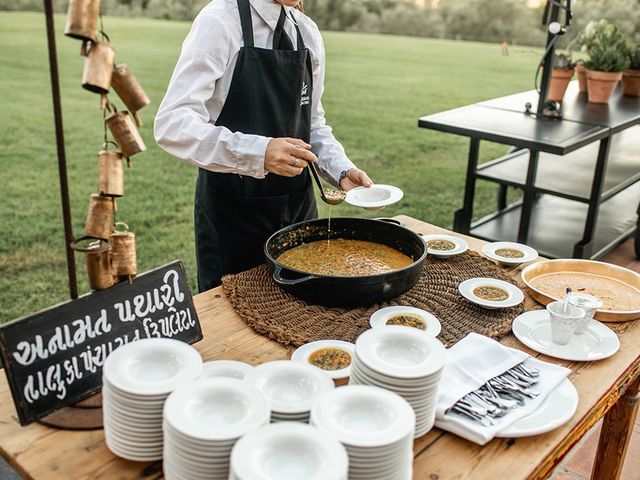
(41, 452)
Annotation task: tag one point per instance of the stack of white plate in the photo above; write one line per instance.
(405, 361)
(202, 422)
(225, 368)
(288, 451)
(137, 378)
(376, 427)
(292, 388)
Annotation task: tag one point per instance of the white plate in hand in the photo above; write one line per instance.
(557, 409)
(534, 330)
(375, 197)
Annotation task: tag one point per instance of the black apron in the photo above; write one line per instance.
(270, 95)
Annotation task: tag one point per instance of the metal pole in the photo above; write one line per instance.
(548, 58)
(62, 161)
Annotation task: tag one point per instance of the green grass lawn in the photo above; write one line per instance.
(376, 88)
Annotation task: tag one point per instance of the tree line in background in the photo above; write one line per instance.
(480, 20)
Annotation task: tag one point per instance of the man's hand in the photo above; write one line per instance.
(287, 156)
(355, 178)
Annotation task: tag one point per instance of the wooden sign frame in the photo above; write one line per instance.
(53, 358)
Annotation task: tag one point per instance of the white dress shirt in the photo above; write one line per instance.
(185, 123)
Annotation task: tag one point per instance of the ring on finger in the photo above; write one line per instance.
(295, 162)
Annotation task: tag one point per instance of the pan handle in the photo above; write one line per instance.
(279, 279)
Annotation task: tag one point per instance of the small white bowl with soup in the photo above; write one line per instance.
(491, 293)
(408, 317)
(444, 246)
(509, 253)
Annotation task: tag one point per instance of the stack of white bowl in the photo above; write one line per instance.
(225, 368)
(292, 388)
(288, 451)
(203, 421)
(137, 378)
(405, 361)
(376, 427)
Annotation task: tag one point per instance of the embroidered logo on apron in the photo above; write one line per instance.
(304, 98)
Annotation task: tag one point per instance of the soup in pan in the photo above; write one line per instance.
(344, 258)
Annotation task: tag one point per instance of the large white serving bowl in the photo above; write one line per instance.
(153, 366)
(291, 387)
(289, 451)
(216, 409)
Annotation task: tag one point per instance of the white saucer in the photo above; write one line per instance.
(380, 317)
(466, 288)
(302, 354)
(534, 330)
(461, 245)
(375, 197)
(490, 251)
(557, 409)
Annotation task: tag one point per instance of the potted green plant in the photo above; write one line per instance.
(608, 53)
(561, 75)
(631, 76)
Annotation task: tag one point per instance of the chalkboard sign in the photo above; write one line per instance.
(54, 358)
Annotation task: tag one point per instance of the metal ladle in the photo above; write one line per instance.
(330, 196)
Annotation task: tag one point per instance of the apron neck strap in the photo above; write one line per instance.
(280, 28)
(245, 21)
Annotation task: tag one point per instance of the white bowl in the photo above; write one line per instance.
(364, 416)
(302, 354)
(216, 409)
(289, 451)
(380, 317)
(225, 368)
(461, 245)
(154, 366)
(466, 288)
(490, 251)
(400, 352)
(375, 197)
(290, 387)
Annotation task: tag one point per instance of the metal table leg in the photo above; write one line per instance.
(462, 217)
(583, 249)
(528, 197)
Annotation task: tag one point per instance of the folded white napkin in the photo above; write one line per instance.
(470, 364)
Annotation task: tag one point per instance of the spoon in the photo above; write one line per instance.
(330, 196)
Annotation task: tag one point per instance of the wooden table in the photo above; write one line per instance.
(605, 387)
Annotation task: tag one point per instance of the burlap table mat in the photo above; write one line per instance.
(293, 322)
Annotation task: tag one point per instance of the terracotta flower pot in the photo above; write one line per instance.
(631, 83)
(582, 77)
(559, 82)
(601, 85)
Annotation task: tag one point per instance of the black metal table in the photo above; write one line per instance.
(580, 175)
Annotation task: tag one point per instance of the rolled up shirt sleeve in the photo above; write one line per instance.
(183, 125)
(332, 158)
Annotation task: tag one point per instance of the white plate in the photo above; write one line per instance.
(290, 387)
(466, 288)
(225, 368)
(152, 366)
(534, 330)
(375, 197)
(302, 354)
(557, 409)
(216, 409)
(364, 416)
(380, 317)
(289, 451)
(490, 251)
(400, 352)
(461, 245)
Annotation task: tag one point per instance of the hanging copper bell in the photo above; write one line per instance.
(125, 133)
(110, 173)
(98, 67)
(129, 90)
(123, 252)
(100, 217)
(82, 18)
(99, 268)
